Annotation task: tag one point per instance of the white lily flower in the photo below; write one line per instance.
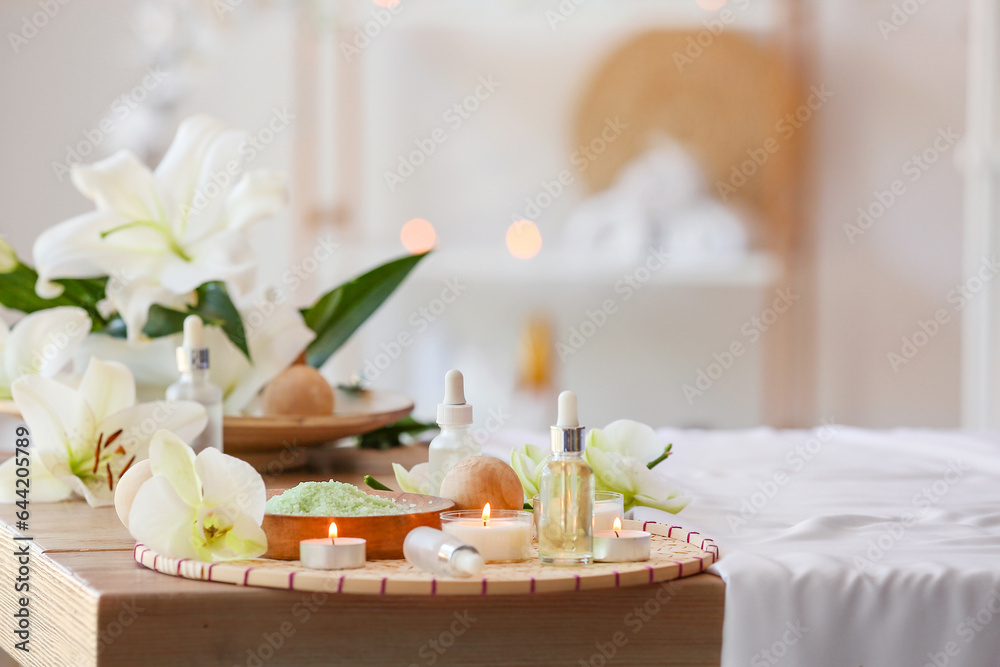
(207, 507)
(86, 438)
(527, 462)
(159, 235)
(8, 257)
(40, 343)
(619, 454)
(274, 338)
(416, 480)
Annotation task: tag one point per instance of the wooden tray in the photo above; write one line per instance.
(385, 533)
(353, 414)
(676, 553)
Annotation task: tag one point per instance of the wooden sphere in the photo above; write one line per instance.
(478, 480)
(298, 390)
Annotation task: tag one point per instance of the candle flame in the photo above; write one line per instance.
(333, 529)
(486, 514)
(617, 525)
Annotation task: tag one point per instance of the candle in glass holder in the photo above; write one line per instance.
(608, 506)
(500, 536)
(333, 553)
(621, 546)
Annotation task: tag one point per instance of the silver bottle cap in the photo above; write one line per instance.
(567, 434)
(192, 359)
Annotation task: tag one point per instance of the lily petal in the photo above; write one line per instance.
(140, 423)
(119, 184)
(43, 342)
(172, 459)
(178, 172)
(230, 483)
(161, 520)
(44, 487)
(258, 195)
(60, 421)
(108, 387)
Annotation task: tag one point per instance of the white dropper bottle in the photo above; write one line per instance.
(455, 442)
(194, 385)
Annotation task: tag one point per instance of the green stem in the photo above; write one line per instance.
(663, 457)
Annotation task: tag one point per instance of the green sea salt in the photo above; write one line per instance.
(332, 499)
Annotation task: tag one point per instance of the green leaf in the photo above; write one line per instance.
(339, 313)
(17, 292)
(390, 436)
(375, 484)
(214, 307)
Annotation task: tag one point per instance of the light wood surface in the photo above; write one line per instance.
(91, 604)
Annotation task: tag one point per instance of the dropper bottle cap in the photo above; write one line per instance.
(454, 411)
(192, 354)
(567, 434)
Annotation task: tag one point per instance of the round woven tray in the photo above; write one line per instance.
(676, 553)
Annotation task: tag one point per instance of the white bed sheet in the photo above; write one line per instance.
(845, 547)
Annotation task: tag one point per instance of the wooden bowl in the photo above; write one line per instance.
(384, 533)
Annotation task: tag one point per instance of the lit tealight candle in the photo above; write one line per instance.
(621, 546)
(333, 553)
(500, 536)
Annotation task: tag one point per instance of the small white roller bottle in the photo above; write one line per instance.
(194, 385)
(439, 553)
(455, 442)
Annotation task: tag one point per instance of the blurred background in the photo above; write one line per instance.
(716, 213)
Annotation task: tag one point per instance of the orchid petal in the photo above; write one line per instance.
(44, 488)
(416, 480)
(43, 342)
(152, 362)
(672, 505)
(172, 459)
(231, 483)
(244, 540)
(128, 486)
(629, 438)
(108, 387)
(161, 520)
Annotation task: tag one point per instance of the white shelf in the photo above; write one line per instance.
(525, 15)
(565, 269)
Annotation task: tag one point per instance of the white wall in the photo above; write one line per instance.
(891, 97)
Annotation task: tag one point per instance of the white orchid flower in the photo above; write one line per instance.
(86, 438)
(527, 462)
(160, 234)
(40, 343)
(207, 507)
(620, 455)
(8, 256)
(415, 480)
(276, 335)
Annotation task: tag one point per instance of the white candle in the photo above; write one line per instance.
(621, 546)
(605, 513)
(333, 553)
(500, 536)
